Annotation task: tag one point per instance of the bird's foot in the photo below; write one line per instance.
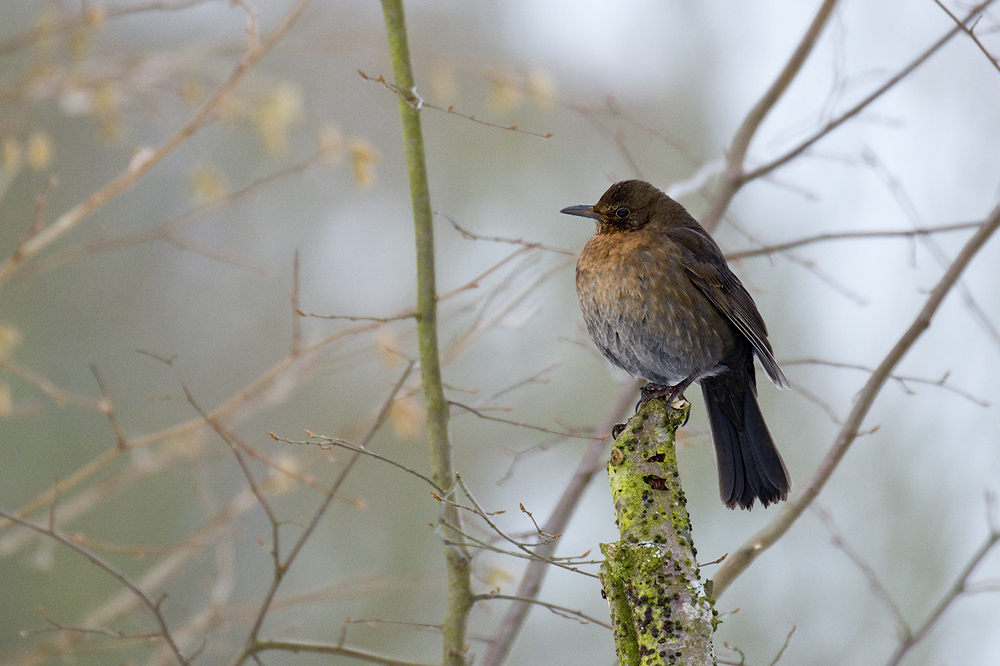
(669, 393)
(616, 430)
(652, 391)
(673, 395)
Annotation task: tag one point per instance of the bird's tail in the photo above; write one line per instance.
(750, 466)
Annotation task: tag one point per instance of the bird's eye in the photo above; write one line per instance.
(621, 213)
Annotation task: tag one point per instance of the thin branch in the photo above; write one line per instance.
(38, 32)
(107, 408)
(229, 438)
(381, 320)
(417, 102)
(910, 210)
(296, 317)
(527, 550)
(332, 442)
(169, 231)
(738, 561)
(459, 594)
(570, 564)
(468, 235)
(558, 610)
(900, 379)
(848, 235)
(519, 424)
(49, 388)
(880, 591)
(334, 649)
(784, 646)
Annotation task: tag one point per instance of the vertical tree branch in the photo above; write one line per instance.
(459, 584)
(660, 609)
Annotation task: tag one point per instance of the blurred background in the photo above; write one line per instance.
(184, 280)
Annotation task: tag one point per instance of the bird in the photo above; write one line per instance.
(661, 303)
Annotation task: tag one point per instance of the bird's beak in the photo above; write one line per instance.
(582, 211)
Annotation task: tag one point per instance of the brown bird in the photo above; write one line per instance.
(661, 303)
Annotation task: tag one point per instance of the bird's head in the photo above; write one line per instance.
(627, 206)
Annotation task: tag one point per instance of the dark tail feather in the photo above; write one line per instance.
(750, 466)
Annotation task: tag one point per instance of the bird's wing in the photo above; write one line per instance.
(728, 294)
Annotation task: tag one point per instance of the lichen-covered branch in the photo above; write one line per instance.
(660, 609)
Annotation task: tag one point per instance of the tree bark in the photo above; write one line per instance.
(660, 608)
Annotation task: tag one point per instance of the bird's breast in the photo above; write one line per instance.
(645, 314)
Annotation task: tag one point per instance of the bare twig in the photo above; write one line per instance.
(314, 647)
(38, 32)
(342, 444)
(49, 388)
(499, 239)
(902, 380)
(524, 548)
(558, 610)
(296, 316)
(784, 646)
(866, 569)
(107, 408)
(230, 438)
(411, 98)
(479, 413)
(170, 231)
(848, 235)
(910, 209)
